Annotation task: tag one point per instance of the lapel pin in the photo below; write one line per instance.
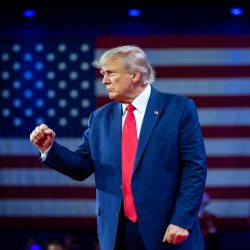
(156, 112)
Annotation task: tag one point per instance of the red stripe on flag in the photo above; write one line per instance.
(229, 162)
(199, 41)
(102, 100)
(229, 192)
(226, 132)
(48, 223)
(233, 223)
(47, 192)
(9, 161)
(221, 101)
(202, 71)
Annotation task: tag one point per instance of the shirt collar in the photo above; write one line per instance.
(141, 101)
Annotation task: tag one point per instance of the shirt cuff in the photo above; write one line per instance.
(45, 154)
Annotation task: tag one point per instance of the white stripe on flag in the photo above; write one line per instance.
(204, 87)
(228, 177)
(224, 116)
(227, 147)
(47, 207)
(39, 177)
(204, 56)
(229, 208)
(25, 147)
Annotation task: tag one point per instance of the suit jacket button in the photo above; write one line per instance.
(117, 214)
(120, 186)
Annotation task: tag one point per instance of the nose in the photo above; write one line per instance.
(105, 79)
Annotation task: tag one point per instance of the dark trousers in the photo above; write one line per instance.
(128, 235)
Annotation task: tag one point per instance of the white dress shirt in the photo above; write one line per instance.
(140, 104)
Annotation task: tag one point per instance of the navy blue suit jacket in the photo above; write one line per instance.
(169, 172)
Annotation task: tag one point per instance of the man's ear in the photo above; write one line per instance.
(136, 76)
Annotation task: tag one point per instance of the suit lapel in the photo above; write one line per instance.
(152, 114)
(116, 130)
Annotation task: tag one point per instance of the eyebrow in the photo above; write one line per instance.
(106, 71)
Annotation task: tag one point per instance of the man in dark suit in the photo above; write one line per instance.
(147, 152)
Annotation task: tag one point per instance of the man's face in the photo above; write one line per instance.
(119, 83)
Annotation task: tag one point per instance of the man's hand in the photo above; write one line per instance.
(42, 137)
(175, 234)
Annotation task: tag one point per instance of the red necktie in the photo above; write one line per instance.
(129, 146)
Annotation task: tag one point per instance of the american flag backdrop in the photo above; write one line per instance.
(53, 82)
(44, 81)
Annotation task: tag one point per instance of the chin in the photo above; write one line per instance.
(112, 97)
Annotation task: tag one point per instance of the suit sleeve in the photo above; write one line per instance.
(77, 165)
(193, 169)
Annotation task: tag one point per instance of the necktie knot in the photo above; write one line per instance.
(130, 108)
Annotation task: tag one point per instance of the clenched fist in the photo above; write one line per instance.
(175, 234)
(42, 137)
